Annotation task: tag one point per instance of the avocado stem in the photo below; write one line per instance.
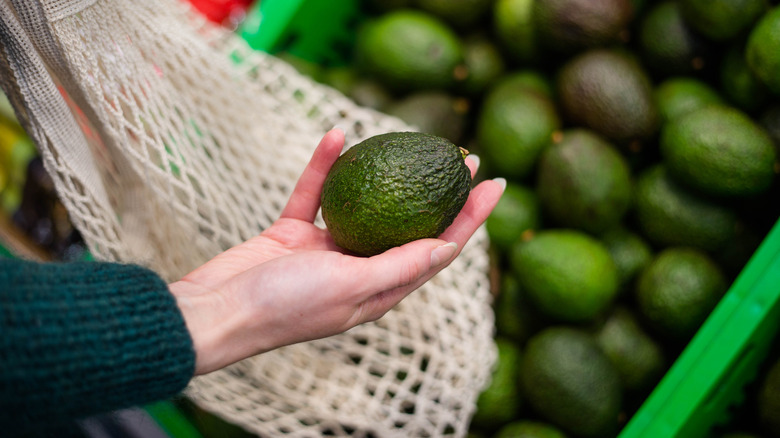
(463, 152)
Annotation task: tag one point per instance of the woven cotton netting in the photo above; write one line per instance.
(169, 141)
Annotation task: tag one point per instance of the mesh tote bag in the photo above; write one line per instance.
(169, 141)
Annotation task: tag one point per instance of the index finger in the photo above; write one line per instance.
(305, 198)
(482, 199)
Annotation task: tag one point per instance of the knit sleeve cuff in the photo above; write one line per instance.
(84, 338)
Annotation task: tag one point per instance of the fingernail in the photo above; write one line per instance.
(501, 182)
(340, 128)
(475, 159)
(443, 253)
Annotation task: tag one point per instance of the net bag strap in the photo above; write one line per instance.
(40, 106)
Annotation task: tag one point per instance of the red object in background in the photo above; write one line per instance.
(222, 11)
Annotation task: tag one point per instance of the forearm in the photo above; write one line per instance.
(80, 339)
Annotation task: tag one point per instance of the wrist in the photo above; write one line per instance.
(215, 326)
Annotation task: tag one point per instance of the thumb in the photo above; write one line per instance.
(406, 264)
(389, 277)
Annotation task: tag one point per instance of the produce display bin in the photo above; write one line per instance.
(709, 377)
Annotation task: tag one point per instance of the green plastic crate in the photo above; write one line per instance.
(708, 379)
(320, 31)
(710, 375)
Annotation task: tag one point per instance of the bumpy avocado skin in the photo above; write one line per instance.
(393, 188)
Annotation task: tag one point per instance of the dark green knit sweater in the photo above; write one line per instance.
(79, 339)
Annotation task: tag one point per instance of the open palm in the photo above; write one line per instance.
(292, 283)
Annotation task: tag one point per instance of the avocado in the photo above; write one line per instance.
(669, 214)
(517, 213)
(433, 112)
(500, 402)
(638, 357)
(516, 317)
(568, 275)
(530, 79)
(461, 14)
(569, 25)
(408, 50)
(513, 126)
(722, 20)
(679, 95)
(515, 31)
(719, 151)
(370, 93)
(583, 182)
(393, 188)
(762, 50)
(630, 252)
(739, 84)
(677, 291)
(567, 380)
(667, 43)
(482, 62)
(609, 92)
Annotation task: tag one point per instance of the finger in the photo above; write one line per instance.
(401, 266)
(472, 161)
(482, 199)
(305, 198)
(375, 306)
(398, 272)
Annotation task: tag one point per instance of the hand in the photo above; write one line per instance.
(292, 284)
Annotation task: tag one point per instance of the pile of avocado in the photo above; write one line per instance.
(640, 142)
